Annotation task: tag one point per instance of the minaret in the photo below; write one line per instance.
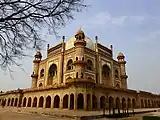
(123, 75)
(79, 44)
(36, 63)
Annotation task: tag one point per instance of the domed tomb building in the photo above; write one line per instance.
(79, 74)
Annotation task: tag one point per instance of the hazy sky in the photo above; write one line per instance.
(132, 26)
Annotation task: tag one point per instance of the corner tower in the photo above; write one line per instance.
(79, 44)
(122, 62)
(36, 62)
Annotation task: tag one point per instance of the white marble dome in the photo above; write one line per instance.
(70, 43)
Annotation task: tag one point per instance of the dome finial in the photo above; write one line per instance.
(80, 31)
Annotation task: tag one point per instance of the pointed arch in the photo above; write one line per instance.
(80, 101)
(48, 102)
(142, 103)
(102, 102)
(52, 73)
(56, 101)
(65, 101)
(35, 102)
(70, 64)
(16, 101)
(116, 73)
(105, 71)
(42, 73)
(29, 102)
(133, 103)
(94, 102)
(123, 103)
(12, 101)
(111, 102)
(24, 102)
(129, 103)
(89, 65)
(117, 102)
(41, 100)
(8, 103)
(88, 101)
(72, 101)
(145, 102)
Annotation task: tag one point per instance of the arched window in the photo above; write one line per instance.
(105, 71)
(116, 74)
(42, 73)
(77, 75)
(76, 58)
(52, 73)
(70, 64)
(82, 58)
(81, 75)
(117, 85)
(40, 85)
(89, 65)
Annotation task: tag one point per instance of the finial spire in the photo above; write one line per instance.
(96, 38)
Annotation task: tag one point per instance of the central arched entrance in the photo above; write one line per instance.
(56, 101)
(65, 101)
(129, 103)
(80, 101)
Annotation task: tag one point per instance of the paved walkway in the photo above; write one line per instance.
(53, 113)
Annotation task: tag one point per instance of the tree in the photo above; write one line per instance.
(21, 21)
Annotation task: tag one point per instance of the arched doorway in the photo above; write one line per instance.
(24, 102)
(35, 102)
(56, 101)
(72, 101)
(117, 102)
(12, 101)
(94, 102)
(102, 102)
(145, 102)
(65, 101)
(123, 103)
(16, 101)
(8, 102)
(41, 100)
(80, 101)
(88, 102)
(111, 102)
(133, 103)
(48, 102)
(129, 103)
(29, 102)
(142, 104)
(149, 104)
(52, 73)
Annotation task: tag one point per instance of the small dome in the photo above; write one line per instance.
(70, 43)
(38, 54)
(120, 54)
